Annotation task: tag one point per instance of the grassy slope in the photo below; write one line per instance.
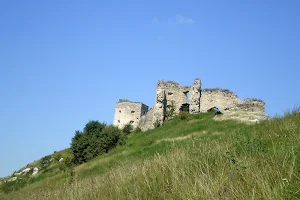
(191, 159)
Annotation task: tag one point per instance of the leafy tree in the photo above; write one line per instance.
(97, 138)
(93, 126)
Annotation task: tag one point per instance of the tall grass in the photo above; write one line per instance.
(220, 160)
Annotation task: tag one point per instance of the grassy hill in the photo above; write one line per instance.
(189, 157)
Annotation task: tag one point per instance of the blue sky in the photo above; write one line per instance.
(63, 63)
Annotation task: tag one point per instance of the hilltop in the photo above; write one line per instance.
(188, 157)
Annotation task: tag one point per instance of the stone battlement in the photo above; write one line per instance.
(171, 85)
(216, 90)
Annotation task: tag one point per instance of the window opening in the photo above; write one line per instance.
(187, 96)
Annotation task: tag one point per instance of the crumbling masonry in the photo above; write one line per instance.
(191, 99)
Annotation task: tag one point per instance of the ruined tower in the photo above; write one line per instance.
(129, 112)
(180, 97)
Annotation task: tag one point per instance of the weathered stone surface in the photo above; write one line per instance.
(147, 121)
(174, 94)
(61, 159)
(128, 112)
(222, 99)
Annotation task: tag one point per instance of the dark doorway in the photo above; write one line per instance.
(185, 107)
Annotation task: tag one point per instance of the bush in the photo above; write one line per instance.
(96, 139)
(183, 115)
(127, 129)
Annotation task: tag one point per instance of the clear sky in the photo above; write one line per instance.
(65, 62)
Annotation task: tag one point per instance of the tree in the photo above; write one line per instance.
(97, 138)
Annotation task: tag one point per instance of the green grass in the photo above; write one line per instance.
(198, 158)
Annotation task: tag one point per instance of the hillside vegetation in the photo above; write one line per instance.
(189, 157)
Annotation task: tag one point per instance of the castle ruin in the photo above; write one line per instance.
(190, 99)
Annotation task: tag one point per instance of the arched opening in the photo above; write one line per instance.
(215, 110)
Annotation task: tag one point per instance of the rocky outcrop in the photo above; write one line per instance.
(18, 173)
(25, 171)
(35, 171)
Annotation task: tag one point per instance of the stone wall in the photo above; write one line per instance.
(223, 99)
(129, 112)
(226, 101)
